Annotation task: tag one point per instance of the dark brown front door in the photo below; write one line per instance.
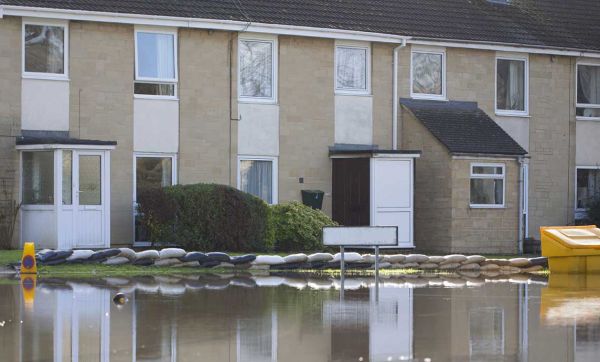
(351, 191)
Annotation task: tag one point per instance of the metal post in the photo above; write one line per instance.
(342, 266)
(377, 273)
(342, 269)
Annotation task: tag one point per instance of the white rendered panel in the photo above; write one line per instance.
(44, 105)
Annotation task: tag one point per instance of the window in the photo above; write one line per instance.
(511, 86)
(256, 70)
(258, 176)
(155, 63)
(45, 49)
(588, 91)
(427, 75)
(352, 69)
(487, 185)
(38, 178)
(486, 333)
(151, 171)
(588, 187)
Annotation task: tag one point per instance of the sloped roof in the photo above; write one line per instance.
(571, 24)
(462, 127)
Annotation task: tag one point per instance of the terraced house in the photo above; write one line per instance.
(468, 124)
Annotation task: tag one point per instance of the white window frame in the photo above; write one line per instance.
(139, 79)
(579, 211)
(368, 55)
(136, 155)
(583, 105)
(46, 76)
(274, 169)
(436, 97)
(275, 66)
(488, 176)
(505, 112)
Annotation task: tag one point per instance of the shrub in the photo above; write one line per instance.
(206, 217)
(593, 212)
(298, 227)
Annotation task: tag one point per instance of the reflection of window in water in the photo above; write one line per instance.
(587, 347)
(257, 338)
(486, 333)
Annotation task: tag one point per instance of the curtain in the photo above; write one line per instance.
(256, 69)
(257, 179)
(588, 88)
(44, 49)
(351, 68)
(427, 73)
(156, 55)
(511, 85)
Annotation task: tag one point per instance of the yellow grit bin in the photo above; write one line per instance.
(571, 249)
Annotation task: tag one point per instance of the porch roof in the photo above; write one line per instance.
(367, 151)
(463, 128)
(59, 140)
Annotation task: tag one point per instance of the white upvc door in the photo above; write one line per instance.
(90, 199)
(392, 196)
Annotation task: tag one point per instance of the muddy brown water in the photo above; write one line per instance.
(300, 318)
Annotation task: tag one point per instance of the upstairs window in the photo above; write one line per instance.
(352, 69)
(155, 63)
(44, 50)
(428, 75)
(487, 185)
(588, 91)
(511, 86)
(256, 70)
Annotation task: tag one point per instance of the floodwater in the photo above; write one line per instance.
(301, 318)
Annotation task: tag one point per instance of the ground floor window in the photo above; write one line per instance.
(588, 187)
(487, 185)
(38, 178)
(151, 171)
(258, 176)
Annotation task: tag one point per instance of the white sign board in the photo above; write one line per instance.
(360, 236)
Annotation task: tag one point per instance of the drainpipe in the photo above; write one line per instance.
(521, 201)
(395, 96)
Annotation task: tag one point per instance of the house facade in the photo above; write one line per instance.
(99, 101)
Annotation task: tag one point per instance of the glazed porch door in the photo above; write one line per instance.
(90, 192)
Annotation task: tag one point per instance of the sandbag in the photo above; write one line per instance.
(80, 255)
(290, 266)
(429, 266)
(348, 257)
(454, 258)
(470, 266)
(416, 258)
(268, 260)
(319, 257)
(52, 255)
(474, 259)
(396, 258)
(209, 263)
(144, 261)
(104, 254)
(449, 266)
(117, 260)
(194, 256)
(220, 257)
(169, 253)
(127, 253)
(500, 262)
(225, 265)
(295, 258)
(488, 267)
(542, 261)
(244, 259)
(519, 262)
(147, 254)
(436, 259)
(166, 262)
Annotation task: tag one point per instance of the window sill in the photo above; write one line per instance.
(513, 115)
(350, 93)
(487, 207)
(41, 76)
(257, 101)
(159, 98)
(429, 97)
(581, 118)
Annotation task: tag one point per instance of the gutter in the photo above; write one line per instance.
(521, 202)
(395, 99)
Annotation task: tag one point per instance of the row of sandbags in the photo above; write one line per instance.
(352, 260)
(176, 285)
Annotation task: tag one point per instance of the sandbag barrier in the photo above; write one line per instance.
(179, 284)
(176, 257)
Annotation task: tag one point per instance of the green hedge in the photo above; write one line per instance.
(206, 217)
(298, 227)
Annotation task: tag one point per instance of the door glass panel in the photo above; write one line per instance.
(67, 178)
(38, 178)
(89, 180)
